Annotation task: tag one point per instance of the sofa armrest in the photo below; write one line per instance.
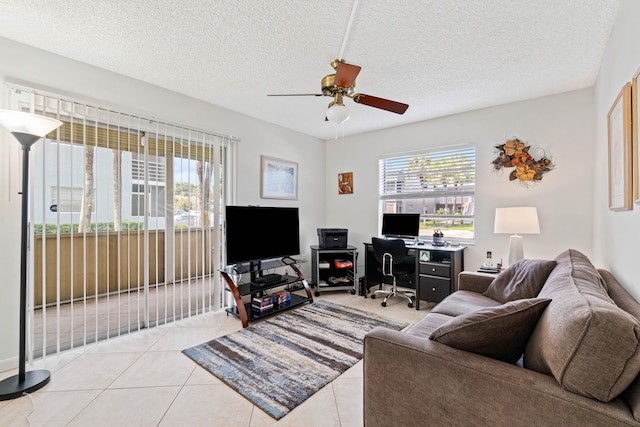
(474, 281)
(410, 380)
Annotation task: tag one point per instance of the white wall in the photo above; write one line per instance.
(33, 67)
(560, 125)
(616, 233)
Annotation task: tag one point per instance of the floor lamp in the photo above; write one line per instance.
(27, 129)
(516, 221)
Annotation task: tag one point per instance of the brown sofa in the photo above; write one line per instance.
(579, 365)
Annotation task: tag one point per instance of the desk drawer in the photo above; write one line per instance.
(435, 269)
(434, 289)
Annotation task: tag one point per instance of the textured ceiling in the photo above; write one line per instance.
(439, 56)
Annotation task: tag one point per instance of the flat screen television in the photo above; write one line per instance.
(257, 233)
(401, 225)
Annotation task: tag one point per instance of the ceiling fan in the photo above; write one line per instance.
(343, 84)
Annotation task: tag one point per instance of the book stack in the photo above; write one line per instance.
(281, 299)
(262, 305)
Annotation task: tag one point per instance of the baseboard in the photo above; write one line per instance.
(8, 364)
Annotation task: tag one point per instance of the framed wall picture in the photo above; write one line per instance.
(345, 183)
(619, 135)
(278, 179)
(635, 125)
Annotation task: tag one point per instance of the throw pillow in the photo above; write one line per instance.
(499, 332)
(521, 280)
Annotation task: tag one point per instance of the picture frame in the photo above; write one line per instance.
(619, 138)
(635, 126)
(345, 183)
(278, 178)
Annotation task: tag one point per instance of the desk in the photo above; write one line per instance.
(436, 273)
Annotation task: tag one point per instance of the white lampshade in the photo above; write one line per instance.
(27, 127)
(521, 220)
(337, 113)
(515, 221)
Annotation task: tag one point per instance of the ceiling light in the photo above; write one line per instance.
(337, 112)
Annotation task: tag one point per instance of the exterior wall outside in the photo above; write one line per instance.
(70, 160)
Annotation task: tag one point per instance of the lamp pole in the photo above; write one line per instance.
(27, 129)
(23, 262)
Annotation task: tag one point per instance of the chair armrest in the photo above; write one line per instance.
(474, 281)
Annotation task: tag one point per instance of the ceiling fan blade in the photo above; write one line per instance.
(383, 104)
(346, 74)
(297, 94)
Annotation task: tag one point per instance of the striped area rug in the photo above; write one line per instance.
(281, 361)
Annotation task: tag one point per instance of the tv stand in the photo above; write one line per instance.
(261, 290)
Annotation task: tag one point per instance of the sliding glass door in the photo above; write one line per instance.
(125, 215)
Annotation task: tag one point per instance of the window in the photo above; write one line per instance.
(67, 199)
(439, 185)
(156, 189)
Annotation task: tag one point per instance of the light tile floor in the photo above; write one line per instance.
(143, 379)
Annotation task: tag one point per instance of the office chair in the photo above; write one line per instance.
(394, 261)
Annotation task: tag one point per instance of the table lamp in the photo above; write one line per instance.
(27, 129)
(516, 221)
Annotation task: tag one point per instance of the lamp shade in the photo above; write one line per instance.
(337, 113)
(516, 220)
(27, 128)
(32, 124)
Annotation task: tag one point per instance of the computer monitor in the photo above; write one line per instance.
(401, 224)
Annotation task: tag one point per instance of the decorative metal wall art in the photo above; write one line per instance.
(515, 154)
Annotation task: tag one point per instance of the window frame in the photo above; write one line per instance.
(403, 179)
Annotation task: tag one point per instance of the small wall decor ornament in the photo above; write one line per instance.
(515, 154)
(345, 183)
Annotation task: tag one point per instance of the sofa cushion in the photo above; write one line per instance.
(429, 323)
(524, 279)
(590, 345)
(499, 332)
(461, 302)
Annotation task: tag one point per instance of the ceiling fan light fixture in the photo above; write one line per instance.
(337, 113)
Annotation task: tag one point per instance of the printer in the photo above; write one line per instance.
(332, 238)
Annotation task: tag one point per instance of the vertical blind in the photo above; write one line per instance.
(110, 253)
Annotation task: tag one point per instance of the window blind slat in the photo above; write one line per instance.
(441, 171)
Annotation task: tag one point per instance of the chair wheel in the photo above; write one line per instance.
(384, 304)
(373, 296)
(410, 305)
(353, 291)
(316, 293)
(413, 297)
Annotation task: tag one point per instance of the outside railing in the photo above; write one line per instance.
(101, 263)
